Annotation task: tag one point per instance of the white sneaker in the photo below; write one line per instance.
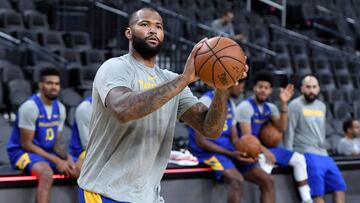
(183, 158)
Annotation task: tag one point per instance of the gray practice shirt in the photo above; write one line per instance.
(306, 130)
(348, 146)
(219, 26)
(126, 161)
(244, 111)
(82, 118)
(28, 114)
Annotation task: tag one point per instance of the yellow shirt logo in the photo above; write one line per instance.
(313, 112)
(149, 84)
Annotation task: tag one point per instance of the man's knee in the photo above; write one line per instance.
(43, 172)
(298, 160)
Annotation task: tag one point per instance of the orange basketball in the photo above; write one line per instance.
(250, 145)
(220, 62)
(270, 136)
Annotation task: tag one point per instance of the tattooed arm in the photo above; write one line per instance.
(128, 105)
(208, 121)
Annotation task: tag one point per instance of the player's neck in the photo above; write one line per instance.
(45, 100)
(258, 102)
(349, 136)
(150, 63)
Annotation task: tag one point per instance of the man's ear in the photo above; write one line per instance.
(128, 33)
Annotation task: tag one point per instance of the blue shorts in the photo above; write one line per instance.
(324, 175)
(220, 162)
(91, 197)
(282, 155)
(22, 160)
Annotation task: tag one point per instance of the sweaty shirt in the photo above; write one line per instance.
(126, 161)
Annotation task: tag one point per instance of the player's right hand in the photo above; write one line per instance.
(270, 157)
(242, 157)
(189, 69)
(63, 167)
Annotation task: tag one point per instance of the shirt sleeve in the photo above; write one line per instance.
(113, 73)
(274, 110)
(243, 112)
(62, 117)
(205, 100)
(28, 113)
(186, 100)
(82, 118)
(345, 147)
(293, 116)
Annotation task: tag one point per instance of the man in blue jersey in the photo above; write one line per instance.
(228, 163)
(306, 134)
(80, 132)
(255, 112)
(34, 145)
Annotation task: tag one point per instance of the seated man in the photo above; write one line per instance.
(306, 134)
(349, 144)
(255, 112)
(221, 155)
(80, 132)
(34, 145)
(224, 24)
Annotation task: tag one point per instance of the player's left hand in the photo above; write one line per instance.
(286, 93)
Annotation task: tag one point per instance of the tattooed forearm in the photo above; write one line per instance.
(129, 105)
(216, 115)
(208, 122)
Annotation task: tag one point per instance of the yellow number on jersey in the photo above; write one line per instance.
(49, 134)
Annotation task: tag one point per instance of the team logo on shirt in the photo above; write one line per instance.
(147, 84)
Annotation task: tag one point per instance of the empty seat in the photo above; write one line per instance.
(71, 55)
(11, 72)
(344, 81)
(30, 34)
(10, 21)
(2, 102)
(326, 81)
(87, 75)
(19, 91)
(94, 56)
(26, 5)
(5, 5)
(301, 65)
(341, 110)
(69, 97)
(356, 109)
(321, 65)
(5, 129)
(36, 21)
(340, 66)
(52, 40)
(79, 40)
(333, 95)
(282, 62)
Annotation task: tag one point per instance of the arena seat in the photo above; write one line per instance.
(19, 91)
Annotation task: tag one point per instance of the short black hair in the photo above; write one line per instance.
(48, 72)
(263, 76)
(133, 14)
(348, 124)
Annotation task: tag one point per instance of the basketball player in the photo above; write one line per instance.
(135, 107)
(307, 135)
(349, 145)
(255, 112)
(221, 155)
(34, 145)
(80, 132)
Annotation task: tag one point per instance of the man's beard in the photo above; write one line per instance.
(144, 49)
(309, 98)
